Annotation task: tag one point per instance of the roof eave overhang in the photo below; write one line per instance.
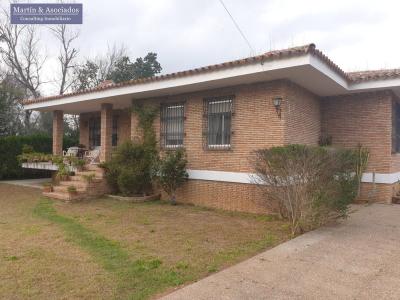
(307, 70)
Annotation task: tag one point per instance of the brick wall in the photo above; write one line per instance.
(302, 114)
(255, 124)
(124, 125)
(351, 119)
(223, 195)
(364, 118)
(361, 118)
(376, 192)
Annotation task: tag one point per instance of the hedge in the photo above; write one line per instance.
(11, 147)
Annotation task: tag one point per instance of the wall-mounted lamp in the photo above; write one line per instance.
(277, 104)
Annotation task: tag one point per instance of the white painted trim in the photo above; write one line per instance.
(188, 80)
(386, 178)
(266, 71)
(44, 166)
(251, 178)
(322, 67)
(222, 176)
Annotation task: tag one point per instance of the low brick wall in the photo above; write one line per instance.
(250, 198)
(376, 192)
(222, 195)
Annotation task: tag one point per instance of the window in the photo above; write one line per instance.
(94, 132)
(115, 131)
(396, 129)
(218, 114)
(172, 129)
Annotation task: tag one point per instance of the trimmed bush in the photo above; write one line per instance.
(171, 172)
(129, 170)
(308, 185)
(12, 146)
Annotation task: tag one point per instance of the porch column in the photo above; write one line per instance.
(106, 132)
(58, 132)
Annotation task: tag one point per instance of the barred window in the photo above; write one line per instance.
(94, 132)
(396, 128)
(115, 131)
(172, 125)
(218, 122)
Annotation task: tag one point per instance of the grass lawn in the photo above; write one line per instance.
(108, 249)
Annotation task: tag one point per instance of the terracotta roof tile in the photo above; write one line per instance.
(275, 54)
(360, 76)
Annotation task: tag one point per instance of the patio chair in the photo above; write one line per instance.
(72, 151)
(92, 156)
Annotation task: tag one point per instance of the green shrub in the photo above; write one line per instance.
(129, 170)
(27, 149)
(89, 178)
(12, 146)
(35, 157)
(130, 181)
(71, 189)
(171, 172)
(112, 171)
(76, 162)
(308, 184)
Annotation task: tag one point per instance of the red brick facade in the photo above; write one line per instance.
(58, 132)
(256, 125)
(365, 119)
(349, 120)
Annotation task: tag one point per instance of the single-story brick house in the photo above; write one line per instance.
(221, 113)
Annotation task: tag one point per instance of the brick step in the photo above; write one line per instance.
(83, 188)
(92, 167)
(79, 178)
(98, 174)
(396, 199)
(64, 189)
(75, 183)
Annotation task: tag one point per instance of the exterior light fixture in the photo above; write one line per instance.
(277, 104)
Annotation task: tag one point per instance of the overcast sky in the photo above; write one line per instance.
(355, 34)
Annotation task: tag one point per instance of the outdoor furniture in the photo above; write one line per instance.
(92, 156)
(72, 151)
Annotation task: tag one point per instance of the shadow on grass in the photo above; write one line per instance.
(137, 279)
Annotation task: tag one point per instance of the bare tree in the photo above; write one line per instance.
(92, 72)
(20, 50)
(67, 54)
(107, 62)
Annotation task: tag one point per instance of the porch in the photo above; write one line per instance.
(103, 129)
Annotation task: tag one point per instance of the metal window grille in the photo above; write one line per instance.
(218, 123)
(115, 131)
(396, 129)
(94, 132)
(172, 119)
